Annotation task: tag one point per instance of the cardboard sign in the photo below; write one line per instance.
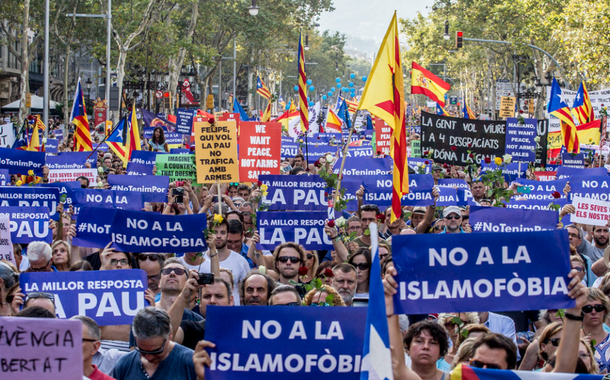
(7, 135)
(383, 135)
(179, 167)
(507, 106)
(70, 175)
(259, 150)
(216, 151)
(41, 349)
(590, 211)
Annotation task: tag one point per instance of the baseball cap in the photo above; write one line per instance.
(452, 210)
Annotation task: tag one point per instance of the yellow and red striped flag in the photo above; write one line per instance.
(78, 117)
(133, 137)
(559, 108)
(425, 83)
(383, 97)
(582, 107)
(352, 106)
(333, 122)
(303, 106)
(262, 89)
(267, 114)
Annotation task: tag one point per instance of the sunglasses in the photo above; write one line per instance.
(168, 271)
(309, 256)
(362, 266)
(41, 269)
(450, 217)
(554, 341)
(292, 259)
(589, 308)
(478, 364)
(153, 352)
(153, 257)
(35, 295)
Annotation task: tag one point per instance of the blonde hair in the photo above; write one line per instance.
(337, 300)
(464, 352)
(596, 294)
(547, 333)
(594, 370)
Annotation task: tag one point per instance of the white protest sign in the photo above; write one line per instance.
(590, 211)
(70, 175)
(7, 135)
(6, 245)
(41, 349)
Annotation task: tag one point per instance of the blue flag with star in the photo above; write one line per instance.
(376, 354)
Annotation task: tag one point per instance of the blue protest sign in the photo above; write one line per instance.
(365, 166)
(260, 343)
(566, 172)
(357, 151)
(147, 132)
(294, 192)
(495, 272)
(511, 171)
(27, 196)
(416, 163)
(172, 138)
(59, 134)
(93, 227)
(180, 151)
(593, 187)
(317, 150)
(110, 297)
(184, 122)
(64, 188)
(576, 160)
(21, 161)
(497, 219)
(139, 169)
(305, 228)
(28, 224)
(447, 196)
(144, 157)
(101, 147)
(542, 190)
(453, 182)
(538, 204)
(289, 148)
(378, 190)
(520, 139)
(152, 187)
(138, 231)
(5, 177)
(71, 160)
(51, 145)
(127, 200)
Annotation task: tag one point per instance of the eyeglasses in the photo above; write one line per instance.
(153, 352)
(41, 269)
(288, 304)
(438, 228)
(154, 278)
(153, 257)
(320, 304)
(478, 364)
(578, 269)
(115, 262)
(309, 256)
(89, 340)
(554, 341)
(292, 259)
(35, 295)
(589, 308)
(362, 266)
(168, 271)
(450, 217)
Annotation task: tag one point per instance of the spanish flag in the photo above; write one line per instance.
(333, 122)
(383, 97)
(589, 133)
(425, 83)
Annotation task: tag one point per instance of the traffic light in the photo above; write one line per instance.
(458, 40)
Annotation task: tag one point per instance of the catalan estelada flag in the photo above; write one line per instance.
(468, 114)
(383, 97)
(78, 117)
(303, 106)
(582, 108)
(262, 89)
(559, 108)
(352, 106)
(440, 110)
(333, 122)
(425, 83)
(116, 143)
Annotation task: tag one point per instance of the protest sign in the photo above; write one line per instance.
(566, 172)
(520, 139)
(420, 164)
(511, 172)
(590, 211)
(93, 227)
(545, 176)
(59, 134)
(180, 151)
(259, 149)
(7, 135)
(64, 188)
(21, 161)
(415, 148)
(573, 160)
(41, 349)
(28, 224)
(5, 178)
(260, 343)
(110, 297)
(452, 182)
(294, 192)
(174, 140)
(71, 175)
(357, 151)
(100, 147)
(28, 196)
(184, 120)
(153, 188)
(451, 138)
(365, 166)
(542, 131)
(594, 187)
(127, 200)
(305, 228)
(144, 157)
(51, 145)
(289, 148)
(216, 151)
(497, 219)
(178, 167)
(504, 272)
(537, 204)
(6, 244)
(139, 169)
(507, 106)
(378, 190)
(540, 190)
(383, 134)
(70, 160)
(138, 231)
(232, 116)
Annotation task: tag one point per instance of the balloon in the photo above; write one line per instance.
(330, 93)
(332, 89)
(312, 88)
(339, 85)
(296, 88)
(309, 82)
(287, 107)
(351, 84)
(324, 97)
(311, 104)
(364, 79)
(338, 80)
(352, 75)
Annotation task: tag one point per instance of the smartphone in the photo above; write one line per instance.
(360, 302)
(206, 279)
(287, 168)
(179, 194)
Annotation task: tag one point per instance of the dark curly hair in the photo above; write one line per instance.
(437, 332)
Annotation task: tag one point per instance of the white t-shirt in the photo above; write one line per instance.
(235, 263)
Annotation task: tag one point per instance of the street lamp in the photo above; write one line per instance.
(88, 83)
(446, 36)
(253, 8)
(307, 42)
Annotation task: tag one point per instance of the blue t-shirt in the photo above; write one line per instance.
(178, 365)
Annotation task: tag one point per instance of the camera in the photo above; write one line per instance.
(178, 193)
(206, 279)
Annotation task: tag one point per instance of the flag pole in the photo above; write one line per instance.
(340, 177)
(104, 140)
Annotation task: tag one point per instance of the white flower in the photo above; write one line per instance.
(44, 140)
(431, 151)
(507, 158)
(537, 139)
(329, 158)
